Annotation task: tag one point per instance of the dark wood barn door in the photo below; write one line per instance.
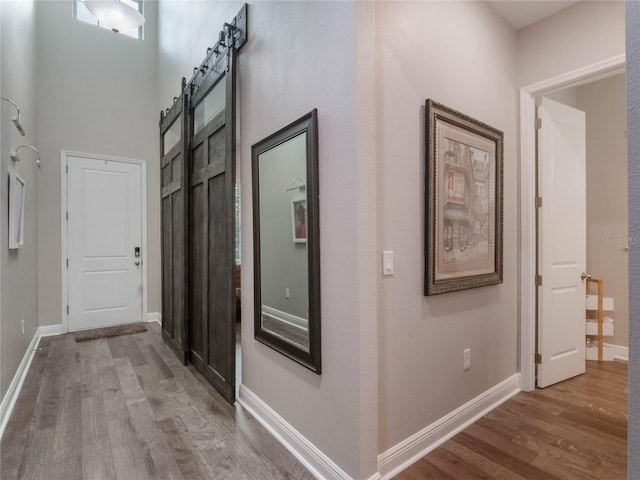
(212, 227)
(174, 211)
(197, 145)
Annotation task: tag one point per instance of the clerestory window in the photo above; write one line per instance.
(81, 13)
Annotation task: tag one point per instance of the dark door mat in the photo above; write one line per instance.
(107, 332)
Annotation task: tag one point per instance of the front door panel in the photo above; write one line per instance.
(104, 229)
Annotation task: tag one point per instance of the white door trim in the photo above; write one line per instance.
(64, 155)
(599, 70)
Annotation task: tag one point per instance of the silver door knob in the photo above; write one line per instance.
(584, 276)
(137, 262)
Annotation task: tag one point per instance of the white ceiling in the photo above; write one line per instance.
(522, 13)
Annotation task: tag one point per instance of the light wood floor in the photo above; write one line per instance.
(574, 430)
(125, 408)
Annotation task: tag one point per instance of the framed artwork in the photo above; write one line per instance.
(16, 209)
(464, 201)
(299, 220)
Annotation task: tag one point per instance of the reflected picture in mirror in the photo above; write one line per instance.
(286, 242)
(299, 217)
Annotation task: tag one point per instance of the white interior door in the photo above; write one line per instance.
(104, 201)
(561, 242)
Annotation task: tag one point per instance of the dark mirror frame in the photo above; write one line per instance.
(309, 125)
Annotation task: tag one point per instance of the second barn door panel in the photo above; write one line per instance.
(212, 228)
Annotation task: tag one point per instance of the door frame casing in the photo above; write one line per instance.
(528, 231)
(64, 156)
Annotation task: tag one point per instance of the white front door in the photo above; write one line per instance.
(561, 242)
(104, 231)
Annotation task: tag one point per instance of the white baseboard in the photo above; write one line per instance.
(293, 320)
(50, 330)
(409, 451)
(9, 400)
(154, 317)
(321, 466)
(396, 458)
(619, 352)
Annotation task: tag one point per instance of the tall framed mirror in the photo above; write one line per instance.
(286, 241)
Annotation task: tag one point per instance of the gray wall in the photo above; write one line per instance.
(568, 96)
(633, 118)
(605, 105)
(300, 55)
(2, 188)
(19, 280)
(421, 339)
(571, 39)
(96, 94)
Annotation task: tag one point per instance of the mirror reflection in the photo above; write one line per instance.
(286, 242)
(283, 241)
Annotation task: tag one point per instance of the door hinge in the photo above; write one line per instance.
(538, 280)
(66, 168)
(67, 216)
(538, 123)
(67, 263)
(67, 309)
(538, 359)
(538, 202)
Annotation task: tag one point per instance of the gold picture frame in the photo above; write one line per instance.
(464, 201)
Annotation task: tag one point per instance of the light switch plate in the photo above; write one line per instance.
(387, 262)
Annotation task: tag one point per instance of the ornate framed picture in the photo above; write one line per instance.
(464, 201)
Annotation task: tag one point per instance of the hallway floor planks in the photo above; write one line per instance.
(575, 430)
(125, 408)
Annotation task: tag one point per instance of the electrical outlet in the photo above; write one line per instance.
(286, 293)
(23, 327)
(467, 359)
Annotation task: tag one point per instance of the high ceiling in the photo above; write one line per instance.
(522, 13)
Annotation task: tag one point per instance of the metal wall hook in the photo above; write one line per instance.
(14, 153)
(16, 120)
(296, 183)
